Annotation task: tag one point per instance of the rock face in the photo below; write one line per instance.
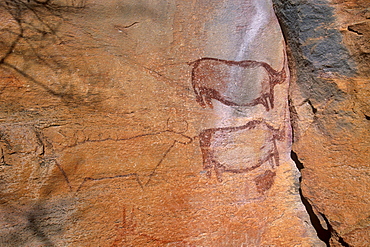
(329, 46)
(166, 123)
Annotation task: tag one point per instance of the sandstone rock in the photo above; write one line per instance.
(105, 140)
(329, 101)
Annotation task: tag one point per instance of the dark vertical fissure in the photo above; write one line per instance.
(297, 23)
(343, 243)
(323, 234)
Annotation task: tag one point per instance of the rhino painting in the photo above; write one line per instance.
(240, 149)
(235, 83)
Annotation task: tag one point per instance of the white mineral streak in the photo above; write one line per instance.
(251, 33)
(247, 40)
(262, 15)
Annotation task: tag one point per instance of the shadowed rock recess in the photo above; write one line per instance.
(329, 100)
(169, 123)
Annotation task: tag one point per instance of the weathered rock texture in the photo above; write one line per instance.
(166, 123)
(329, 46)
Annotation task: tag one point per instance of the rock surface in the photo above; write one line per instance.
(329, 44)
(134, 123)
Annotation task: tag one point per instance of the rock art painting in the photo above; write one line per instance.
(146, 123)
(243, 148)
(256, 140)
(81, 171)
(127, 229)
(212, 78)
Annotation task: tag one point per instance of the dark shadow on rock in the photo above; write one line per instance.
(316, 47)
(35, 224)
(322, 233)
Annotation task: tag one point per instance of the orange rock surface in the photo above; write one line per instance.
(329, 46)
(105, 140)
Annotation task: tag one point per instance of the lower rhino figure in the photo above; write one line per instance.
(240, 149)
